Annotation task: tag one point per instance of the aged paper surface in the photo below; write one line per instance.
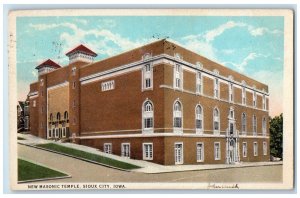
(176, 178)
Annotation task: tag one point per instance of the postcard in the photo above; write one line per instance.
(108, 99)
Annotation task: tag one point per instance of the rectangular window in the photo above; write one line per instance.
(148, 82)
(254, 99)
(74, 85)
(244, 149)
(264, 102)
(198, 124)
(200, 152)
(177, 83)
(199, 83)
(147, 151)
(147, 67)
(107, 147)
(216, 126)
(148, 122)
(244, 96)
(109, 85)
(217, 151)
(265, 148)
(177, 77)
(231, 92)
(34, 103)
(125, 151)
(177, 122)
(255, 149)
(216, 87)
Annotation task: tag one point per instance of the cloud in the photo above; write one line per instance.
(83, 21)
(241, 66)
(212, 34)
(260, 31)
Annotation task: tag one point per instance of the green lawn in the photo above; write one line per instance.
(20, 138)
(30, 171)
(88, 156)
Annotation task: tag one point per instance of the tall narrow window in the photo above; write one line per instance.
(148, 116)
(199, 83)
(244, 96)
(230, 92)
(199, 119)
(147, 151)
(58, 116)
(217, 151)
(147, 76)
(107, 147)
(255, 149)
(125, 150)
(66, 115)
(244, 122)
(254, 124)
(264, 102)
(254, 98)
(216, 88)
(265, 148)
(177, 117)
(216, 120)
(244, 149)
(177, 77)
(200, 152)
(264, 126)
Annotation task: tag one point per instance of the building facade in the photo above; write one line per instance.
(159, 102)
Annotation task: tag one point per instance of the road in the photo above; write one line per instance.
(82, 171)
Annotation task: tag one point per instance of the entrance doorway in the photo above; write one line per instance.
(178, 153)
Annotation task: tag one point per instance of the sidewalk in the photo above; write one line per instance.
(147, 167)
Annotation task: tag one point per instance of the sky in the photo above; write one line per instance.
(250, 45)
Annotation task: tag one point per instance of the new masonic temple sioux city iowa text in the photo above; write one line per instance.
(159, 102)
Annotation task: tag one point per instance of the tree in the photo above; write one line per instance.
(276, 126)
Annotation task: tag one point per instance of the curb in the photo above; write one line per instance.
(75, 157)
(44, 179)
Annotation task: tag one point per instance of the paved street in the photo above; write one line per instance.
(82, 171)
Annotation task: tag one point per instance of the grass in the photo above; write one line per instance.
(88, 156)
(20, 138)
(30, 171)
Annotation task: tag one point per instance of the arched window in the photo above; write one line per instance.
(254, 124)
(58, 116)
(264, 126)
(51, 117)
(244, 123)
(216, 114)
(177, 117)
(66, 115)
(148, 116)
(199, 119)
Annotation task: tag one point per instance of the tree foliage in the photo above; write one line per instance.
(276, 132)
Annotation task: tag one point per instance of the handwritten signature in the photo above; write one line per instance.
(223, 186)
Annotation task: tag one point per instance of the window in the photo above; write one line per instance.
(200, 152)
(74, 85)
(254, 124)
(244, 122)
(254, 99)
(177, 117)
(66, 115)
(244, 149)
(41, 82)
(216, 88)
(244, 96)
(147, 151)
(216, 120)
(147, 73)
(148, 116)
(125, 151)
(73, 71)
(255, 149)
(198, 83)
(264, 102)
(177, 76)
(265, 148)
(264, 127)
(217, 151)
(199, 119)
(74, 103)
(34, 103)
(109, 85)
(107, 147)
(58, 116)
(51, 117)
(230, 92)
(178, 153)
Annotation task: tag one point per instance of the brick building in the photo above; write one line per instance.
(159, 102)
